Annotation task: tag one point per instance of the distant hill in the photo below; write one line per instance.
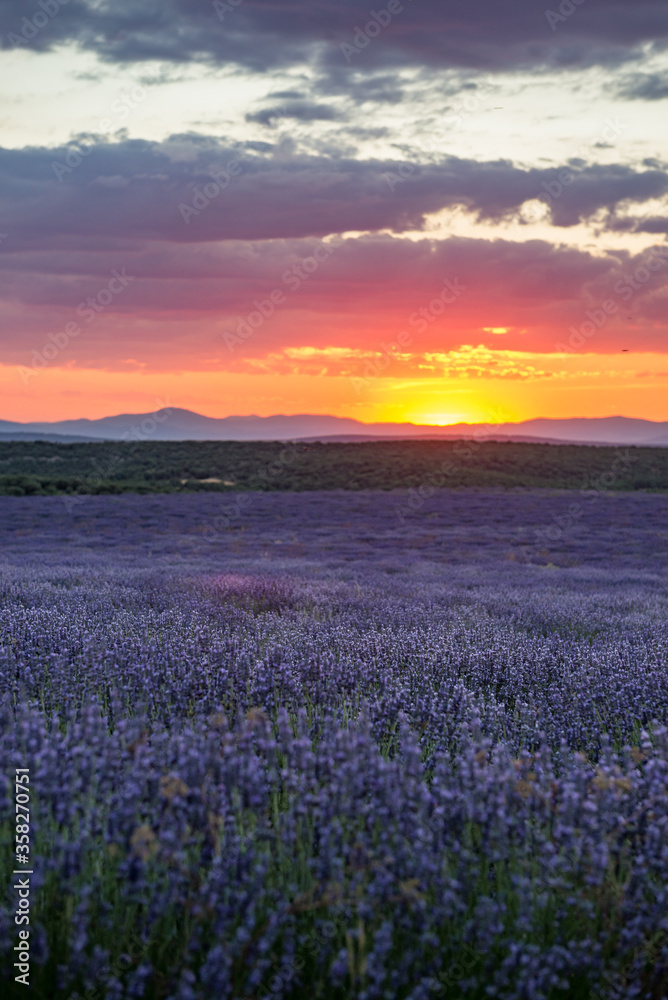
(175, 424)
(53, 438)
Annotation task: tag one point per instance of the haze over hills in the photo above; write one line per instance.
(176, 424)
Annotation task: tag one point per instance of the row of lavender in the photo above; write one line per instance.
(448, 782)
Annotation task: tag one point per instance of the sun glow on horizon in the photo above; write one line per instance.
(443, 419)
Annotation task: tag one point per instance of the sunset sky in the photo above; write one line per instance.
(431, 210)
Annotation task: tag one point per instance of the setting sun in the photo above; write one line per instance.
(442, 419)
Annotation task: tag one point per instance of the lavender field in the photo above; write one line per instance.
(332, 745)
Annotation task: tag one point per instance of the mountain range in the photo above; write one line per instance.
(176, 424)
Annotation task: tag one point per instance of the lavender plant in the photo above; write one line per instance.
(260, 771)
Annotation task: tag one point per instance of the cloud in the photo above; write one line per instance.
(644, 87)
(361, 85)
(184, 297)
(306, 111)
(139, 190)
(480, 35)
(627, 224)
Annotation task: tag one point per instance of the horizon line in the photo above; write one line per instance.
(331, 416)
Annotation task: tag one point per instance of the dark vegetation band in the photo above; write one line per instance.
(42, 468)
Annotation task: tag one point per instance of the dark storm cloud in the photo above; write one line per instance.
(259, 34)
(656, 224)
(644, 87)
(306, 111)
(191, 188)
(227, 274)
(359, 86)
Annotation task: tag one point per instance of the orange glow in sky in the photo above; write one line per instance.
(587, 385)
(258, 232)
